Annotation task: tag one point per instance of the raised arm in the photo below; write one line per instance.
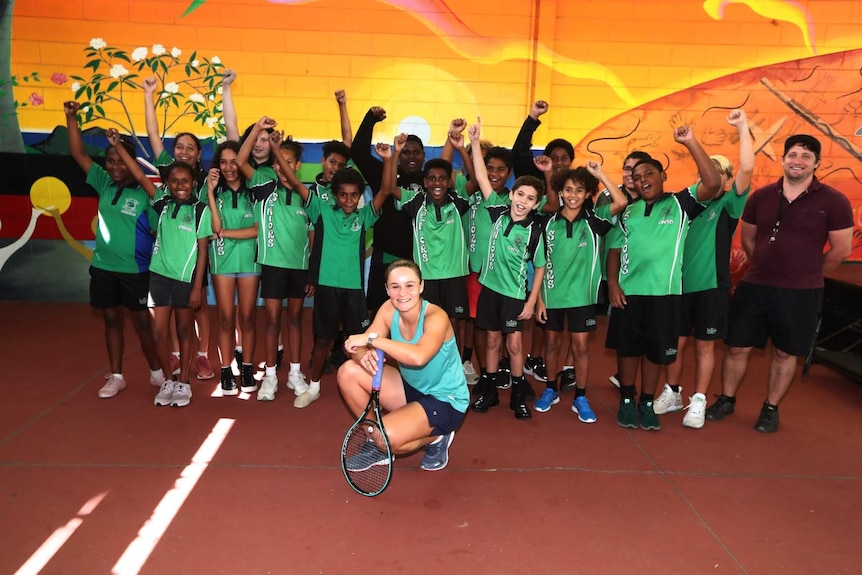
(618, 197)
(386, 152)
(522, 155)
(370, 167)
(231, 124)
(456, 126)
(344, 118)
(287, 171)
(152, 122)
(76, 143)
(131, 163)
(710, 181)
(248, 145)
(746, 150)
(545, 165)
(481, 172)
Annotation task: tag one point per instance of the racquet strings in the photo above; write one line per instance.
(368, 460)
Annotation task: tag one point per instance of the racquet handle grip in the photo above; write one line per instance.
(378, 377)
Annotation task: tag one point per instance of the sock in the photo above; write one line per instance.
(552, 383)
(294, 366)
(647, 397)
(766, 404)
(675, 388)
(118, 375)
(483, 371)
(467, 354)
(627, 391)
(225, 371)
(314, 387)
(176, 354)
(225, 368)
(270, 370)
(699, 396)
(492, 377)
(202, 354)
(238, 349)
(280, 347)
(580, 391)
(157, 373)
(517, 380)
(565, 367)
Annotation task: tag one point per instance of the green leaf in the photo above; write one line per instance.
(89, 114)
(89, 92)
(163, 66)
(192, 7)
(78, 79)
(80, 91)
(120, 55)
(154, 65)
(94, 64)
(100, 110)
(111, 86)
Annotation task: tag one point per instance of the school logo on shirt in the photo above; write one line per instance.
(665, 217)
(582, 243)
(712, 214)
(518, 245)
(130, 207)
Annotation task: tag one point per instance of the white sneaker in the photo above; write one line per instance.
(268, 387)
(470, 373)
(306, 399)
(296, 382)
(163, 397)
(182, 395)
(112, 387)
(696, 413)
(156, 380)
(668, 401)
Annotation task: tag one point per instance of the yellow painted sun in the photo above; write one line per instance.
(50, 193)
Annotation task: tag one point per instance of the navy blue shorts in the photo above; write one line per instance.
(442, 417)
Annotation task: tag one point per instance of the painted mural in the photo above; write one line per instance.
(619, 75)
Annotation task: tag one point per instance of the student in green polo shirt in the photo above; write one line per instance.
(644, 323)
(119, 271)
(573, 274)
(706, 278)
(516, 239)
(338, 257)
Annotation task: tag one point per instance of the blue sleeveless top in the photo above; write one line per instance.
(443, 376)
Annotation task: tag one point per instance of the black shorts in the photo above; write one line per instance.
(337, 308)
(580, 319)
(602, 303)
(167, 292)
(111, 289)
(704, 314)
(450, 294)
(442, 417)
(648, 325)
(786, 316)
(281, 283)
(496, 312)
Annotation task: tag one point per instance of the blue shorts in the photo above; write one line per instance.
(441, 415)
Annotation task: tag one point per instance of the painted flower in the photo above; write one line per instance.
(210, 122)
(139, 54)
(216, 60)
(197, 98)
(175, 52)
(118, 71)
(85, 109)
(59, 78)
(219, 91)
(172, 87)
(195, 63)
(158, 49)
(97, 44)
(36, 99)
(221, 139)
(76, 86)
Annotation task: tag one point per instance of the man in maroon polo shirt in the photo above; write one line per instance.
(784, 229)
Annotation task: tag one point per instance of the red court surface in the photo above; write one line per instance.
(98, 486)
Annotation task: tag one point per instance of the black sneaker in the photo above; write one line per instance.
(228, 383)
(237, 355)
(767, 422)
(504, 374)
(518, 402)
(249, 384)
(486, 396)
(529, 392)
(279, 355)
(567, 379)
(722, 406)
(535, 366)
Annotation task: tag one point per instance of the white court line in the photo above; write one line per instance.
(49, 548)
(139, 550)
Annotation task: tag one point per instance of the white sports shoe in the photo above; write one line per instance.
(158, 379)
(163, 397)
(296, 382)
(268, 387)
(112, 387)
(182, 395)
(668, 401)
(696, 413)
(470, 373)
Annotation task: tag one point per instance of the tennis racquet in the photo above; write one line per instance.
(366, 456)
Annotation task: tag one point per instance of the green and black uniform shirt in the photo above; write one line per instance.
(180, 226)
(232, 255)
(573, 253)
(283, 222)
(477, 224)
(511, 246)
(124, 235)
(439, 245)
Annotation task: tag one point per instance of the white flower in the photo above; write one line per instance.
(76, 86)
(195, 97)
(175, 52)
(118, 71)
(139, 54)
(195, 63)
(219, 91)
(85, 109)
(216, 60)
(172, 87)
(218, 107)
(221, 139)
(211, 97)
(158, 49)
(210, 122)
(97, 44)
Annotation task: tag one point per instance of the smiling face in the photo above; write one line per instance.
(116, 168)
(560, 160)
(648, 181)
(181, 183)
(186, 150)
(573, 195)
(628, 183)
(227, 166)
(261, 149)
(347, 197)
(436, 184)
(524, 199)
(331, 164)
(799, 164)
(498, 173)
(412, 157)
(404, 287)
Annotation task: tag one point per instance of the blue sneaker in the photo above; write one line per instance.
(437, 454)
(582, 407)
(367, 457)
(549, 398)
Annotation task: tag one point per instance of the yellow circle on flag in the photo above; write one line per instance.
(48, 193)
